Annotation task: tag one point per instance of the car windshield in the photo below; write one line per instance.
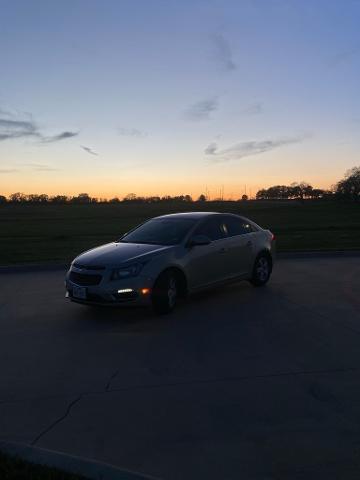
(160, 231)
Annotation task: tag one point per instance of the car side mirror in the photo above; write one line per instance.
(198, 240)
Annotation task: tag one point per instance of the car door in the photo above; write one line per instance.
(206, 263)
(239, 245)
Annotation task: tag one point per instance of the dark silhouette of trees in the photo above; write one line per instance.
(59, 199)
(17, 197)
(202, 198)
(83, 198)
(295, 191)
(349, 187)
(37, 198)
(130, 197)
(2, 199)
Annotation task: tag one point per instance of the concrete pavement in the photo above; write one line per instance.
(238, 383)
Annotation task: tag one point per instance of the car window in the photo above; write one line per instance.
(160, 231)
(237, 226)
(214, 228)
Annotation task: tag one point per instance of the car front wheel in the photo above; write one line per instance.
(261, 271)
(165, 293)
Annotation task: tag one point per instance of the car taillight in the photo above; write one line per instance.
(272, 237)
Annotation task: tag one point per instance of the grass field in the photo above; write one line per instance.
(57, 233)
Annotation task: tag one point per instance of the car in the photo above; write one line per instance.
(171, 256)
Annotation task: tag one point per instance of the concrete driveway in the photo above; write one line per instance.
(242, 383)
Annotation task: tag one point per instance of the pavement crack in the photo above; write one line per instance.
(114, 375)
(184, 382)
(57, 421)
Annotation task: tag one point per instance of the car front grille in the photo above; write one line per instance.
(85, 279)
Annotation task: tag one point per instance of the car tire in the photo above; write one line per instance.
(262, 270)
(165, 292)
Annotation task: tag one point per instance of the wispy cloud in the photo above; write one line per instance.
(211, 149)
(246, 149)
(89, 150)
(12, 127)
(17, 129)
(8, 170)
(38, 167)
(202, 110)
(222, 52)
(131, 132)
(253, 109)
(59, 136)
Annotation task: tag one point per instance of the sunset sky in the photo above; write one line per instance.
(168, 97)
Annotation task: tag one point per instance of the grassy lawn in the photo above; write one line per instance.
(12, 468)
(57, 233)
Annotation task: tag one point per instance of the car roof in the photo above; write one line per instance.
(201, 215)
(192, 215)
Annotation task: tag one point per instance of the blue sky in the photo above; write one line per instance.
(111, 97)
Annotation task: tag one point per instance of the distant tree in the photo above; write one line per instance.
(202, 198)
(318, 193)
(153, 199)
(349, 187)
(114, 200)
(188, 198)
(17, 197)
(302, 190)
(82, 198)
(244, 198)
(262, 194)
(130, 197)
(3, 199)
(37, 198)
(59, 199)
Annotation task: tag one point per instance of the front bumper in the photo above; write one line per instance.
(133, 291)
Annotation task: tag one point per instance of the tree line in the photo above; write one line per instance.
(297, 191)
(85, 198)
(348, 189)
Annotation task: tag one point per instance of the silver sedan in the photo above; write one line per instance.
(171, 256)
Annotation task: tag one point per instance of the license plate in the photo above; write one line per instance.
(79, 292)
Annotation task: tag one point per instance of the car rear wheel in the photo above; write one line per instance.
(262, 270)
(165, 293)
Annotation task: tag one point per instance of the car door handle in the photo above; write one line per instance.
(223, 250)
(249, 243)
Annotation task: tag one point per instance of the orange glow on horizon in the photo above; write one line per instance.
(232, 191)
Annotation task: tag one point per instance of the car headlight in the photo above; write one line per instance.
(125, 272)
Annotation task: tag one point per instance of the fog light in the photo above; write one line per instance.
(125, 290)
(145, 291)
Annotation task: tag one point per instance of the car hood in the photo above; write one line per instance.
(117, 253)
